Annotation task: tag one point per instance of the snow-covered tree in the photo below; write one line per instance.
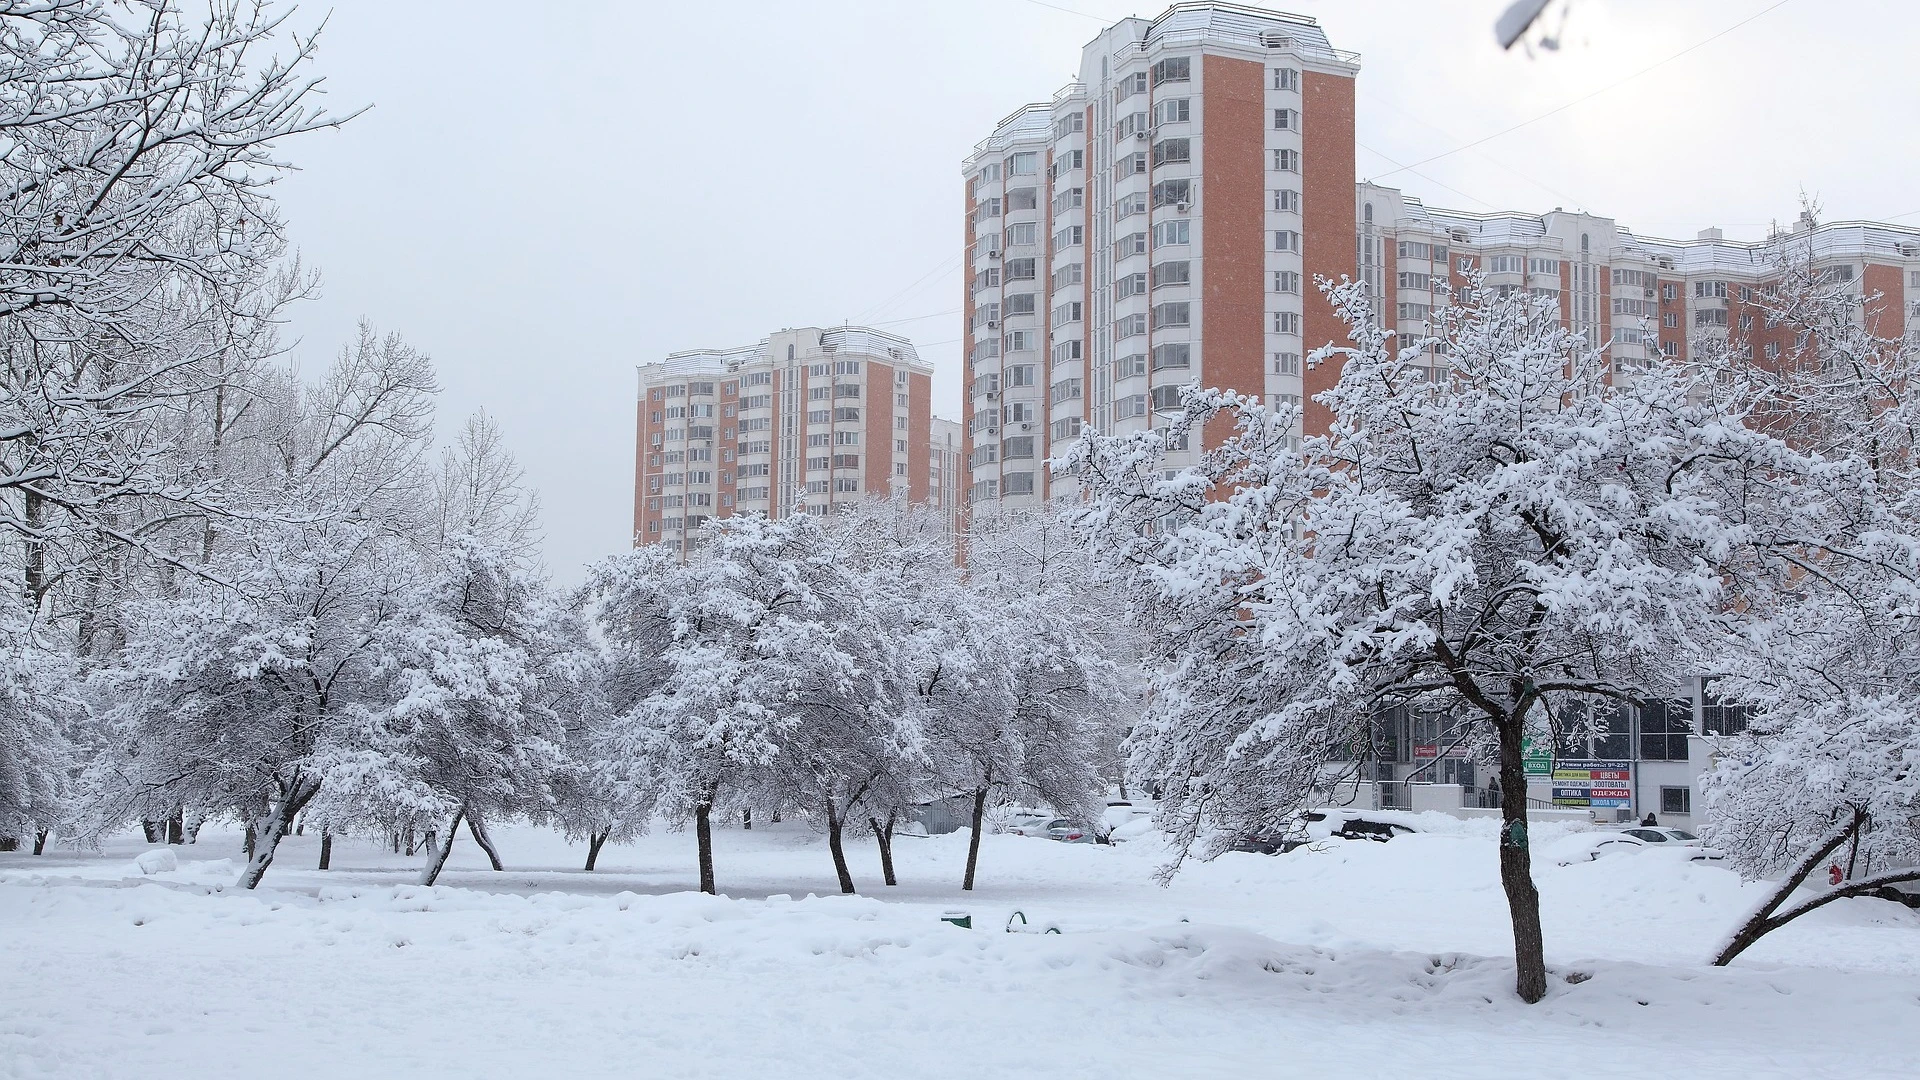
(1824, 778)
(1506, 542)
(1036, 705)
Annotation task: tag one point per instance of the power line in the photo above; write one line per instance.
(1421, 175)
(1605, 89)
(1068, 10)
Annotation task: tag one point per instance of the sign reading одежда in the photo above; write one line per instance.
(1593, 784)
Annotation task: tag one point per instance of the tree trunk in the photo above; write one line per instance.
(248, 843)
(407, 837)
(393, 837)
(9, 843)
(193, 822)
(274, 823)
(594, 842)
(150, 829)
(40, 842)
(1523, 899)
(175, 828)
(438, 859)
(776, 817)
(834, 828)
(973, 842)
(883, 834)
(1763, 921)
(479, 830)
(703, 838)
(746, 819)
(326, 847)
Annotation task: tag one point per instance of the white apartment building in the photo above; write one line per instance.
(805, 420)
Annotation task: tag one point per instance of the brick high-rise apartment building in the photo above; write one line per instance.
(1164, 218)
(1158, 222)
(806, 419)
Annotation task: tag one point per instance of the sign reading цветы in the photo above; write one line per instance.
(1593, 784)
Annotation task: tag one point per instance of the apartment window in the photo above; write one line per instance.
(1676, 800)
(1670, 291)
(1170, 111)
(1024, 163)
(1128, 205)
(1130, 165)
(1286, 281)
(1172, 314)
(1286, 200)
(1286, 79)
(847, 390)
(1130, 125)
(1506, 264)
(1286, 322)
(1127, 326)
(1172, 355)
(1172, 69)
(1025, 198)
(987, 208)
(1746, 321)
(1670, 320)
(1414, 281)
(846, 413)
(1067, 313)
(1128, 407)
(1131, 244)
(1286, 363)
(1128, 366)
(819, 463)
(1065, 428)
(1716, 290)
(1021, 270)
(819, 393)
(1066, 352)
(1172, 152)
(1020, 375)
(846, 461)
(1286, 240)
(1710, 317)
(1165, 398)
(1020, 412)
(845, 438)
(1664, 727)
(1172, 273)
(1543, 266)
(1172, 193)
(1071, 236)
(1064, 390)
(1129, 285)
(1069, 124)
(1066, 161)
(1171, 233)
(1773, 350)
(1069, 199)
(900, 423)
(1130, 85)
(1019, 446)
(1413, 249)
(1026, 234)
(1286, 120)
(1021, 340)
(1020, 304)
(1070, 274)
(1670, 348)
(1286, 161)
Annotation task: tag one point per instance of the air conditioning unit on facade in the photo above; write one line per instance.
(1026, 427)
(991, 325)
(1649, 294)
(993, 255)
(1142, 136)
(1182, 206)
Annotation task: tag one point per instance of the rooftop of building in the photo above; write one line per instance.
(838, 341)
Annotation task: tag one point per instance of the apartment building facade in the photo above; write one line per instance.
(806, 420)
(1158, 222)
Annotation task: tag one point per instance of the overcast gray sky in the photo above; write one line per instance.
(542, 198)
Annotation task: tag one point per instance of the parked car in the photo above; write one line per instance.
(1336, 823)
(1067, 832)
(1027, 823)
(1590, 846)
(1660, 834)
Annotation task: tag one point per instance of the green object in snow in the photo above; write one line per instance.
(1516, 835)
(961, 919)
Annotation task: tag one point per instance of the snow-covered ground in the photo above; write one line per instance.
(1361, 959)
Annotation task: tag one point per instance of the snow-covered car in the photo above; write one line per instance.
(1067, 832)
(1026, 823)
(1658, 834)
(1590, 846)
(1331, 823)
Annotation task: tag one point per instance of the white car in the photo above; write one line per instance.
(1660, 834)
(1027, 823)
(1590, 846)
